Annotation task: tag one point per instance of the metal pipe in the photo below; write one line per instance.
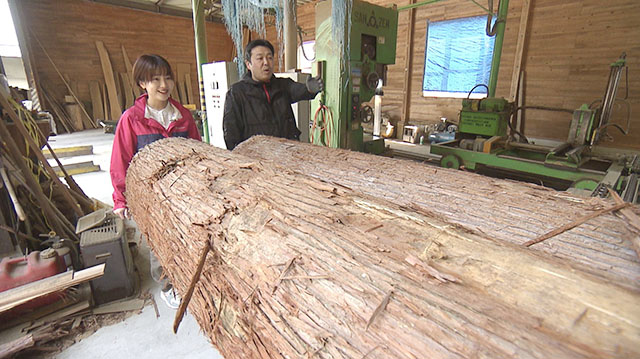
(480, 6)
(411, 6)
(200, 34)
(290, 41)
(609, 97)
(418, 4)
(497, 48)
(377, 114)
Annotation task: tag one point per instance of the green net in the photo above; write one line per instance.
(251, 13)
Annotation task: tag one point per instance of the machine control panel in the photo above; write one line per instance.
(355, 109)
(217, 77)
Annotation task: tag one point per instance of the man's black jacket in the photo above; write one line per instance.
(258, 108)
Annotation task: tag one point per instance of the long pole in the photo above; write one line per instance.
(290, 42)
(200, 34)
(497, 48)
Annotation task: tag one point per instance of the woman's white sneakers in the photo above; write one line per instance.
(171, 298)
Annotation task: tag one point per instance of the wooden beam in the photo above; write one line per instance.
(522, 37)
(127, 64)
(182, 72)
(96, 101)
(406, 101)
(109, 79)
(189, 85)
(126, 88)
(84, 111)
(22, 294)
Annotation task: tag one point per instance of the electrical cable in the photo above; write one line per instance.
(510, 123)
(491, 31)
(475, 87)
(619, 127)
(302, 46)
(326, 128)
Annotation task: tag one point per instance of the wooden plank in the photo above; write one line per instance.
(73, 109)
(119, 90)
(120, 306)
(60, 314)
(62, 77)
(189, 86)
(77, 168)
(57, 110)
(115, 109)
(128, 91)
(105, 101)
(182, 92)
(408, 66)
(96, 101)
(522, 36)
(16, 296)
(182, 70)
(69, 151)
(127, 64)
(175, 93)
(16, 345)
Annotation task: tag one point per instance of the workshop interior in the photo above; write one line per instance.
(466, 183)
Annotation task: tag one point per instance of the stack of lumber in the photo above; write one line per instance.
(121, 89)
(302, 267)
(109, 97)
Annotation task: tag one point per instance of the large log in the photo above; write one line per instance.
(301, 268)
(501, 209)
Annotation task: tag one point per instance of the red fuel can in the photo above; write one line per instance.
(15, 272)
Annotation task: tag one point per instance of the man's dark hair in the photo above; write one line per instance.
(256, 43)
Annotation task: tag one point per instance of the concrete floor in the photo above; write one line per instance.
(140, 336)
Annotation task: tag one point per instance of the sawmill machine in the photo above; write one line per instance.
(354, 45)
(486, 140)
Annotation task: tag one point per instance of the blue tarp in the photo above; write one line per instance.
(458, 55)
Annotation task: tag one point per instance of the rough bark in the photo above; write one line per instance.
(497, 208)
(298, 268)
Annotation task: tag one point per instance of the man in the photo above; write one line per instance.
(260, 103)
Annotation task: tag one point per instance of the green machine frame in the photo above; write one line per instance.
(349, 82)
(482, 141)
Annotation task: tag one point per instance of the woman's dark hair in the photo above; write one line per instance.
(147, 66)
(256, 43)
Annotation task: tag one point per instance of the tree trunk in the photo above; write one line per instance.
(301, 268)
(502, 209)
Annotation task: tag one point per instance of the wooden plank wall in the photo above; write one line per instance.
(69, 28)
(567, 53)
